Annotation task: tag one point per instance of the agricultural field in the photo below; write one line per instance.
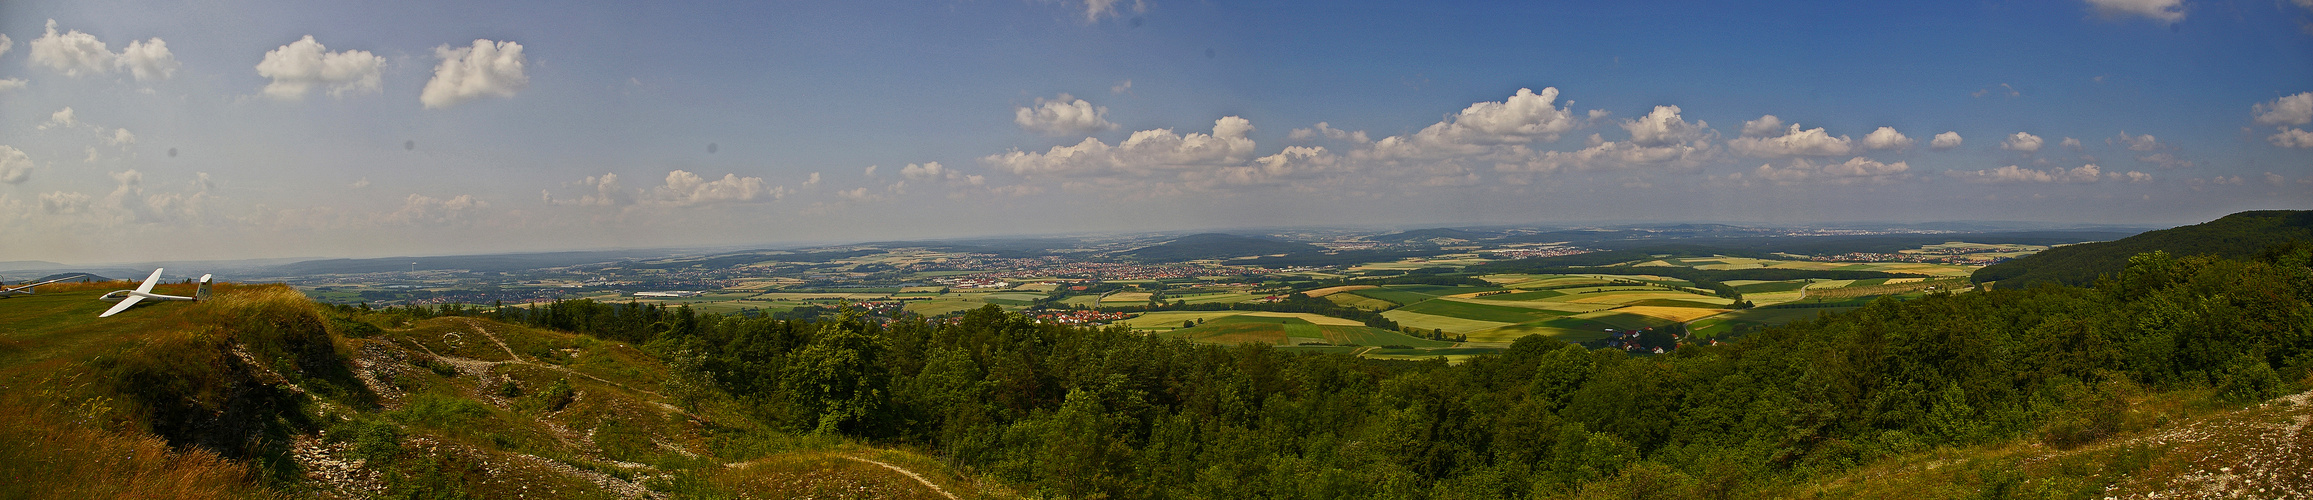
(1574, 328)
(1321, 292)
(1125, 298)
(1721, 325)
(1727, 263)
(1572, 308)
(1287, 330)
(943, 305)
(1360, 301)
(1448, 260)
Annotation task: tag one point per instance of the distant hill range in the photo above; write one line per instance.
(1216, 246)
(70, 276)
(2236, 236)
(1432, 234)
(28, 264)
(475, 263)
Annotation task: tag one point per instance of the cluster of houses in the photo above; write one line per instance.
(1531, 252)
(1627, 340)
(1081, 317)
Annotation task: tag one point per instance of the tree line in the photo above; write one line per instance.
(1090, 412)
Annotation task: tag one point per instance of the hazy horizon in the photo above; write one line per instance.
(252, 130)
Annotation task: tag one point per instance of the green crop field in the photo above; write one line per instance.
(1533, 295)
(1370, 336)
(1241, 318)
(1168, 320)
(1217, 298)
(1394, 296)
(1303, 332)
(1359, 301)
(1481, 312)
(1677, 303)
(1449, 324)
(1232, 333)
(1725, 323)
(942, 306)
(1771, 286)
(1577, 328)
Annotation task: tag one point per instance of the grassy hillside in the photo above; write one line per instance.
(2236, 236)
(260, 392)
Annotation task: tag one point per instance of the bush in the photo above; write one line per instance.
(556, 396)
(441, 412)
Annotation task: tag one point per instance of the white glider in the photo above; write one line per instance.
(145, 291)
(25, 289)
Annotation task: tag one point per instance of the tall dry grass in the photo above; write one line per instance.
(53, 445)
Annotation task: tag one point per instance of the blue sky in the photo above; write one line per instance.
(461, 127)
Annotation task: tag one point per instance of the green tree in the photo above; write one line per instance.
(835, 384)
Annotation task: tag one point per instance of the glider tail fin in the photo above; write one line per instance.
(202, 293)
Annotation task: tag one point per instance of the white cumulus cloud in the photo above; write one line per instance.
(300, 66)
(687, 189)
(1663, 127)
(934, 171)
(1295, 162)
(65, 203)
(1854, 170)
(2137, 143)
(1095, 9)
(1946, 140)
(2013, 174)
(486, 68)
(1327, 131)
(63, 118)
(1145, 152)
(1661, 138)
(2022, 142)
(77, 54)
(2292, 137)
(2291, 110)
(2167, 11)
(12, 84)
(6, 44)
(149, 60)
(72, 53)
(1886, 138)
(420, 209)
(121, 137)
(1793, 141)
(606, 193)
(15, 166)
(680, 189)
(1526, 117)
(1765, 126)
(1063, 115)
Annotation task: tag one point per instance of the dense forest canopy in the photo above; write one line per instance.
(1089, 412)
(2236, 236)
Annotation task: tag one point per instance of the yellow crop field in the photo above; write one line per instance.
(1126, 297)
(1629, 297)
(1321, 292)
(1172, 319)
(1892, 281)
(1679, 314)
(1312, 318)
(1822, 284)
(1772, 297)
(1543, 304)
(1448, 323)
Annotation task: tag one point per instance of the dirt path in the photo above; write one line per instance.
(517, 359)
(911, 475)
